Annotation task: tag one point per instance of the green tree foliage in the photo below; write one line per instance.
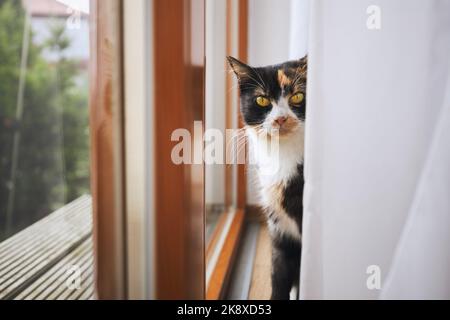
(53, 162)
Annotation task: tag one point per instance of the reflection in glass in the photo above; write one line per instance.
(44, 136)
(217, 175)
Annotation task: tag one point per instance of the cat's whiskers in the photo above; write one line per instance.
(245, 86)
(240, 149)
(259, 76)
(298, 75)
(237, 136)
(259, 84)
(262, 85)
(239, 139)
(248, 75)
(235, 142)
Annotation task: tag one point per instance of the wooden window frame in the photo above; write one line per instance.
(177, 226)
(237, 45)
(107, 156)
(179, 101)
(121, 227)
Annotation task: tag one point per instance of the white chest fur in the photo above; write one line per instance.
(276, 166)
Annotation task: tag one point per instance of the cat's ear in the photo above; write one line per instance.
(240, 69)
(303, 60)
(302, 65)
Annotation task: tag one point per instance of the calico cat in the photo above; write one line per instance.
(273, 101)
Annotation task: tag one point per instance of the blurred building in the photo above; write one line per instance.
(73, 14)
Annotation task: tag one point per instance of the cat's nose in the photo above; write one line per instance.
(281, 120)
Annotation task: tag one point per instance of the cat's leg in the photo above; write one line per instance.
(285, 266)
(293, 295)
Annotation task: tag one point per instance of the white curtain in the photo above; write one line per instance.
(377, 166)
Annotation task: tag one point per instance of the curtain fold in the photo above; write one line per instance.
(421, 266)
(299, 28)
(376, 160)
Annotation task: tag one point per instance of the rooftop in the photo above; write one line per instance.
(55, 8)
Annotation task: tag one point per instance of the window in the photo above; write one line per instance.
(225, 177)
(45, 206)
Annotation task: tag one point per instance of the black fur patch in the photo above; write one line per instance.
(293, 197)
(285, 266)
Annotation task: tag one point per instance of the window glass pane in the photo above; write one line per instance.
(220, 177)
(44, 133)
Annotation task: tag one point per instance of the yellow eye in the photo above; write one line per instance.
(297, 98)
(262, 101)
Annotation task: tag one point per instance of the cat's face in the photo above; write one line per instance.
(273, 98)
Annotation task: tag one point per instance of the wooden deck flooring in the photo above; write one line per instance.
(41, 261)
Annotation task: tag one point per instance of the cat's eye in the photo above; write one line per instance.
(296, 99)
(262, 101)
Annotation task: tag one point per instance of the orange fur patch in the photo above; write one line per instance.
(260, 92)
(283, 80)
(275, 197)
(290, 124)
